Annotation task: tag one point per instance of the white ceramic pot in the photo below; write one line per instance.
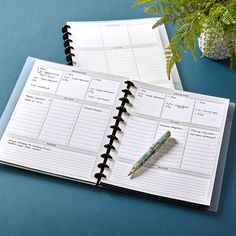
(218, 49)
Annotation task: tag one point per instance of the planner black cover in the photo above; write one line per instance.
(91, 127)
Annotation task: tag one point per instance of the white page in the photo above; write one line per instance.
(112, 36)
(185, 167)
(151, 64)
(60, 121)
(30, 115)
(73, 85)
(178, 106)
(122, 62)
(85, 137)
(86, 39)
(93, 60)
(123, 47)
(141, 34)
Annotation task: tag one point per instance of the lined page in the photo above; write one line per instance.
(123, 47)
(122, 62)
(93, 60)
(47, 159)
(150, 63)
(30, 115)
(61, 119)
(163, 182)
(83, 135)
(200, 151)
(171, 155)
(137, 137)
(185, 167)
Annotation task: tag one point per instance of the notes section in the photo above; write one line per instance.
(162, 182)
(30, 115)
(90, 128)
(60, 121)
(39, 157)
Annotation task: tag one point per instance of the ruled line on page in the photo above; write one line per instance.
(90, 128)
(54, 160)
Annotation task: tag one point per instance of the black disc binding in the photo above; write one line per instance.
(115, 128)
(68, 48)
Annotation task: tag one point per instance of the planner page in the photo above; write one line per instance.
(60, 120)
(185, 167)
(123, 47)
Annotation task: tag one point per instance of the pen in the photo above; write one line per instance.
(146, 156)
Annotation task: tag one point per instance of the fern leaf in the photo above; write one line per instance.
(153, 9)
(164, 19)
(183, 27)
(227, 18)
(232, 59)
(183, 45)
(191, 42)
(140, 2)
(169, 65)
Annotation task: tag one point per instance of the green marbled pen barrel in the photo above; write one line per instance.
(153, 149)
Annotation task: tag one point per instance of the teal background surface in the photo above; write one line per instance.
(34, 204)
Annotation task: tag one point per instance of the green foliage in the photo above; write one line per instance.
(192, 17)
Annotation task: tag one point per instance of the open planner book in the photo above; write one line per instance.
(122, 47)
(91, 127)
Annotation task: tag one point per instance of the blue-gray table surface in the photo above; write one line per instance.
(34, 204)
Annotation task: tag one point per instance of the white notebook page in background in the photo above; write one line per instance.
(60, 120)
(124, 47)
(185, 168)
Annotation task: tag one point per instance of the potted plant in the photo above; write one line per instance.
(212, 22)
